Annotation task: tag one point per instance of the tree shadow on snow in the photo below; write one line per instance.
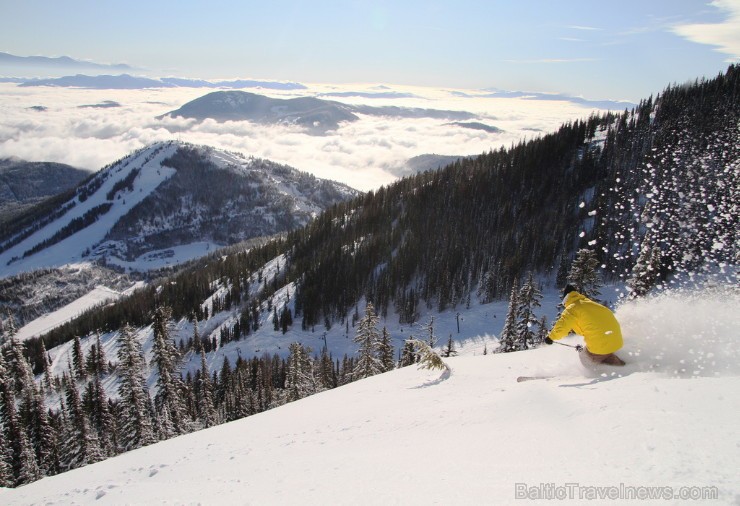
(442, 377)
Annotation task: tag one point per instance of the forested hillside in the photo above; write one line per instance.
(23, 184)
(662, 177)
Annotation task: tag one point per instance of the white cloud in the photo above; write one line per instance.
(554, 60)
(585, 28)
(725, 35)
(360, 154)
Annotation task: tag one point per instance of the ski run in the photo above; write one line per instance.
(661, 430)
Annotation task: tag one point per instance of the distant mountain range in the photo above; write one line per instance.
(129, 82)
(12, 65)
(64, 71)
(315, 115)
(23, 184)
(614, 105)
(423, 163)
(163, 205)
(102, 82)
(365, 94)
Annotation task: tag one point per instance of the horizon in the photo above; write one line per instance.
(583, 50)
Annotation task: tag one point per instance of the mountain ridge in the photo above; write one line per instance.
(315, 115)
(23, 183)
(107, 217)
(65, 62)
(135, 82)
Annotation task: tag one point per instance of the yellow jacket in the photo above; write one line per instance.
(596, 323)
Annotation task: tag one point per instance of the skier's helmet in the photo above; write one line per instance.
(568, 289)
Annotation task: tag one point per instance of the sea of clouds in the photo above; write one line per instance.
(91, 128)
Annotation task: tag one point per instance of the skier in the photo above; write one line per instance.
(596, 323)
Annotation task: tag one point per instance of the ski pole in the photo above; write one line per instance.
(578, 347)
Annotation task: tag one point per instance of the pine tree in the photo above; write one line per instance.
(275, 320)
(80, 445)
(206, 407)
(646, 271)
(6, 455)
(507, 338)
(300, 381)
(386, 351)
(429, 331)
(96, 361)
(47, 382)
(346, 371)
(286, 319)
(28, 468)
(197, 345)
(428, 358)
(169, 400)
(449, 350)
(78, 359)
(367, 336)
(529, 298)
(9, 416)
(101, 418)
(136, 424)
(542, 332)
(488, 287)
(32, 413)
(327, 378)
(30, 434)
(8, 329)
(583, 274)
(408, 354)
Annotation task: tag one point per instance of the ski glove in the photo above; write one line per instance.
(548, 340)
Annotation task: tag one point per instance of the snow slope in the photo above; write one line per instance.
(472, 435)
(97, 297)
(39, 326)
(70, 250)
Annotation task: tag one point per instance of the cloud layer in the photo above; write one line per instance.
(53, 124)
(725, 35)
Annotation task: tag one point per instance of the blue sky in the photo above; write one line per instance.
(625, 49)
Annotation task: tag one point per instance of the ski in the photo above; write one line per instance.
(530, 378)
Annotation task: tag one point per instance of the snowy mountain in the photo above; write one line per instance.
(164, 204)
(662, 430)
(316, 115)
(23, 183)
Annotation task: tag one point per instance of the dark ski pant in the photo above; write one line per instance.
(591, 360)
